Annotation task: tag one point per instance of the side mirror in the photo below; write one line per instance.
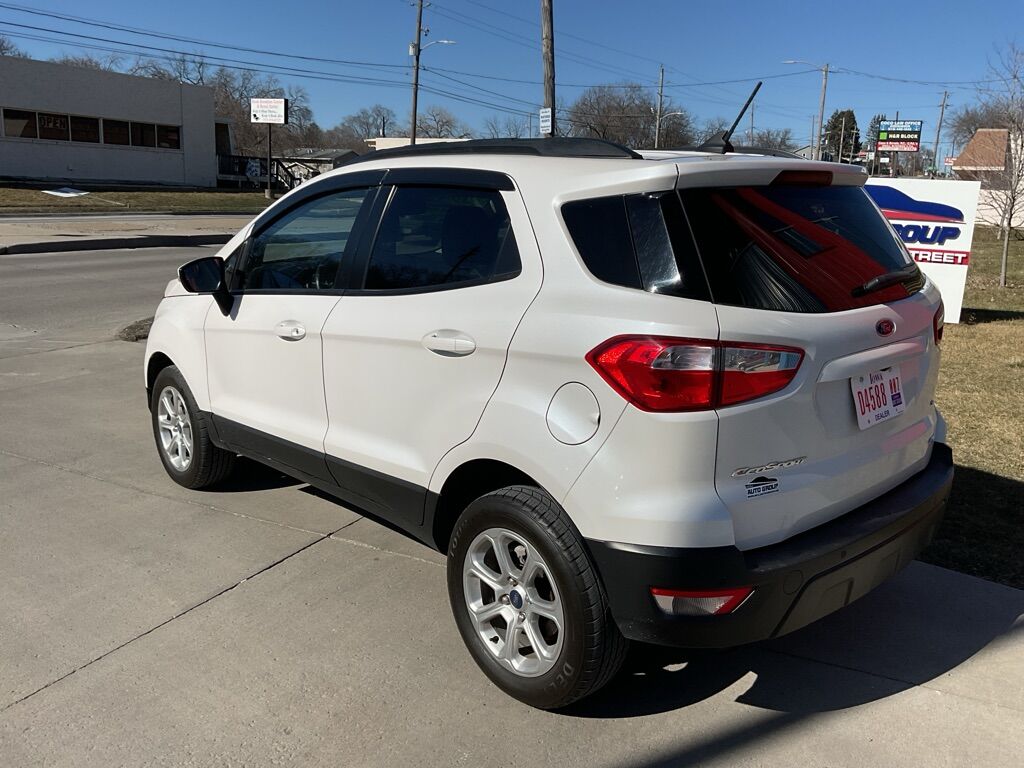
(206, 275)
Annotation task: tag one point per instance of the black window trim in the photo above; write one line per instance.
(432, 177)
(369, 180)
(352, 275)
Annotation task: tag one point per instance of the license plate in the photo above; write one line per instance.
(878, 396)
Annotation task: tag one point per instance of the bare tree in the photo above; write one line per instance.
(370, 123)
(109, 63)
(1001, 105)
(179, 68)
(438, 123)
(627, 114)
(967, 120)
(711, 127)
(8, 48)
(506, 127)
(774, 138)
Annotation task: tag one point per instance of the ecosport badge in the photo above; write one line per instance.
(771, 465)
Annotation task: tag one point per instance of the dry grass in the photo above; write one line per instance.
(981, 394)
(14, 200)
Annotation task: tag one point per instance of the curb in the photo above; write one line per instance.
(114, 243)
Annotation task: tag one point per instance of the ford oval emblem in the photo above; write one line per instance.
(885, 327)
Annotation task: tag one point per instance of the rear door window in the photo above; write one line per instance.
(795, 248)
(434, 238)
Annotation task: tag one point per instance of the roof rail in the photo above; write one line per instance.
(744, 151)
(552, 147)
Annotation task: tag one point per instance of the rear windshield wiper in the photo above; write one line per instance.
(879, 282)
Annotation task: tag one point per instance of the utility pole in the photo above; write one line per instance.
(813, 137)
(661, 99)
(270, 163)
(821, 111)
(414, 49)
(547, 46)
(842, 138)
(938, 132)
(751, 142)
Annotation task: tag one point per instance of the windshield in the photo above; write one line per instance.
(795, 248)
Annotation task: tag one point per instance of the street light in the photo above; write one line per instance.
(657, 124)
(415, 49)
(821, 104)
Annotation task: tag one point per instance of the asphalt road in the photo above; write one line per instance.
(142, 624)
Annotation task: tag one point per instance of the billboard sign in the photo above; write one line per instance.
(899, 135)
(935, 221)
(273, 111)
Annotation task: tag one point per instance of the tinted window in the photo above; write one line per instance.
(85, 129)
(115, 132)
(53, 126)
(19, 123)
(600, 230)
(304, 248)
(168, 136)
(637, 241)
(143, 135)
(433, 236)
(794, 249)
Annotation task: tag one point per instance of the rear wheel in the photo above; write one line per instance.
(182, 434)
(527, 599)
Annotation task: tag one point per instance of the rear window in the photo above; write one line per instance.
(637, 241)
(795, 249)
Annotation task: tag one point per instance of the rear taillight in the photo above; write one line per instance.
(658, 373)
(939, 323)
(713, 602)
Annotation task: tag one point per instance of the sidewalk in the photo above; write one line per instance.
(45, 234)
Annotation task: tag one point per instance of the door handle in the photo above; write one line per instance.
(449, 343)
(290, 330)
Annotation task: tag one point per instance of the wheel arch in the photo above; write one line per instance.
(470, 480)
(157, 362)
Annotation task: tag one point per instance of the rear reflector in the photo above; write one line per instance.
(700, 602)
(939, 323)
(665, 374)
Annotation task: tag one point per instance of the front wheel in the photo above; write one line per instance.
(527, 600)
(182, 434)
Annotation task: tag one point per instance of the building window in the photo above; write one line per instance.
(143, 135)
(168, 136)
(20, 124)
(85, 129)
(53, 127)
(115, 132)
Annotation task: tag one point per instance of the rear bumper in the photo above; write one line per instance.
(795, 582)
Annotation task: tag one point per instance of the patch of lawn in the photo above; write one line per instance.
(15, 200)
(981, 394)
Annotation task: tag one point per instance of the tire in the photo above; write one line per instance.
(502, 620)
(177, 421)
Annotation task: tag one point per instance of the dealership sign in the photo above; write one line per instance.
(935, 220)
(272, 111)
(899, 136)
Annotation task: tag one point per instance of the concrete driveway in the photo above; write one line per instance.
(142, 624)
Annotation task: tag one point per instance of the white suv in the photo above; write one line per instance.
(681, 399)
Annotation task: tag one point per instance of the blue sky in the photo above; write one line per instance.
(596, 42)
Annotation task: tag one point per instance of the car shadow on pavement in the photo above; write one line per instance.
(918, 627)
(249, 475)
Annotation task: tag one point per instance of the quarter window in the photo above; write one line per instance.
(305, 248)
(437, 236)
